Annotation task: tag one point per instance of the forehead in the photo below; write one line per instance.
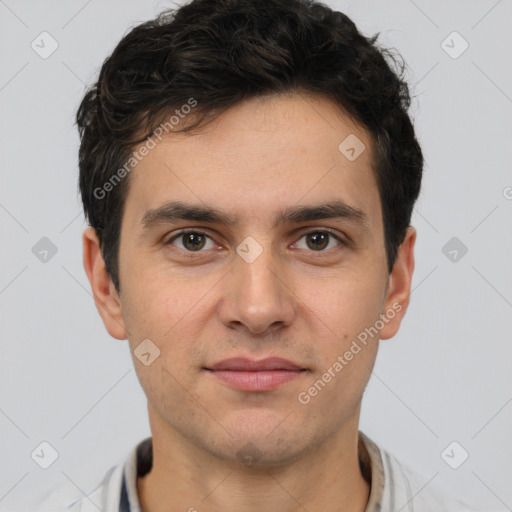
(258, 158)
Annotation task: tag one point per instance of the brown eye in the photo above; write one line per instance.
(319, 240)
(191, 241)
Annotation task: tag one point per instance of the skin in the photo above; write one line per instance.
(296, 301)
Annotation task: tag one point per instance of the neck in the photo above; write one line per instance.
(185, 478)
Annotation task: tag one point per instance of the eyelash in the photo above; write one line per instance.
(203, 233)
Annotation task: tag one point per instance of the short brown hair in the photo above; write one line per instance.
(221, 52)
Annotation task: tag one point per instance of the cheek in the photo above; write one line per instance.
(151, 305)
(349, 308)
(172, 317)
(349, 304)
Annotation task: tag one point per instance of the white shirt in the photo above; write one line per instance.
(394, 486)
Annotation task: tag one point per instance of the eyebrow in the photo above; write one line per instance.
(173, 211)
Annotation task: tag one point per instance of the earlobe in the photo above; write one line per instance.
(105, 295)
(399, 289)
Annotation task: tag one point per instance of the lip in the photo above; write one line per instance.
(251, 375)
(250, 365)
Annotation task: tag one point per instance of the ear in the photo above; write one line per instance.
(103, 289)
(399, 286)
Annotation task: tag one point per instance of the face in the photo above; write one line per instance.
(283, 256)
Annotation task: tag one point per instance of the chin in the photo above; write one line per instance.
(261, 447)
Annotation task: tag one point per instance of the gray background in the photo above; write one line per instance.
(445, 377)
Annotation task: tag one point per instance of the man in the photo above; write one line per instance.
(248, 170)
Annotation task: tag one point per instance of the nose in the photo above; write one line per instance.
(257, 296)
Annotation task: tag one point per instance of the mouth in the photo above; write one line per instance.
(251, 375)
